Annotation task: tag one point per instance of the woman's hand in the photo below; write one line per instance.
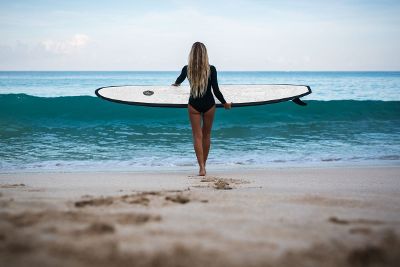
(228, 105)
(175, 84)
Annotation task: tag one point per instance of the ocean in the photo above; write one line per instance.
(52, 121)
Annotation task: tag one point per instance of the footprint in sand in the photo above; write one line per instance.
(178, 199)
(356, 230)
(136, 199)
(98, 228)
(28, 219)
(218, 183)
(355, 221)
(221, 183)
(140, 198)
(101, 201)
(12, 185)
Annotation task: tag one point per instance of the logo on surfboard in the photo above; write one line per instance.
(148, 92)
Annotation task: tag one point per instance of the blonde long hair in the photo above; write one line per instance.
(198, 70)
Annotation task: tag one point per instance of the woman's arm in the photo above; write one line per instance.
(181, 77)
(214, 84)
(217, 92)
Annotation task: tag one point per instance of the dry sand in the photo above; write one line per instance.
(347, 216)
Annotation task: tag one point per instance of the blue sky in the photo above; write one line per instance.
(239, 35)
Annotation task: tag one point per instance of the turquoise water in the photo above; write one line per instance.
(53, 121)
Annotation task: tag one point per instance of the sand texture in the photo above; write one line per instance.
(347, 216)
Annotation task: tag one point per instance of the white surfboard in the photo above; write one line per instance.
(171, 96)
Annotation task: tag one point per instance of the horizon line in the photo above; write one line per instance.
(220, 70)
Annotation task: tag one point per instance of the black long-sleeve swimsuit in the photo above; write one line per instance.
(204, 103)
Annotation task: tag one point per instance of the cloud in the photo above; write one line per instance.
(68, 46)
(45, 55)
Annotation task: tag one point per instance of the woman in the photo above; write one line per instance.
(201, 105)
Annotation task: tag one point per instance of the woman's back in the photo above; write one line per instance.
(205, 101)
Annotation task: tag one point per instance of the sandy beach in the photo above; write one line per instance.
(341, 216)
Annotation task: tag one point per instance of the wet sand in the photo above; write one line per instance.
(342, 216)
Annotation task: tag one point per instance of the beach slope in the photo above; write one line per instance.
(347, 216)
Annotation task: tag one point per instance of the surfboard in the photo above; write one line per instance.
(240, 95)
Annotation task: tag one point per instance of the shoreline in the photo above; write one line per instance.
(218, 168)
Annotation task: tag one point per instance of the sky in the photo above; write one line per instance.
(247, 35)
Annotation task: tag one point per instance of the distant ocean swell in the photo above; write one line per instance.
(75, 132)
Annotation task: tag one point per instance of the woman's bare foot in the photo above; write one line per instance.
(202, 172)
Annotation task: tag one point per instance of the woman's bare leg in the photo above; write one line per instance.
(208, 118)
(195, 121)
